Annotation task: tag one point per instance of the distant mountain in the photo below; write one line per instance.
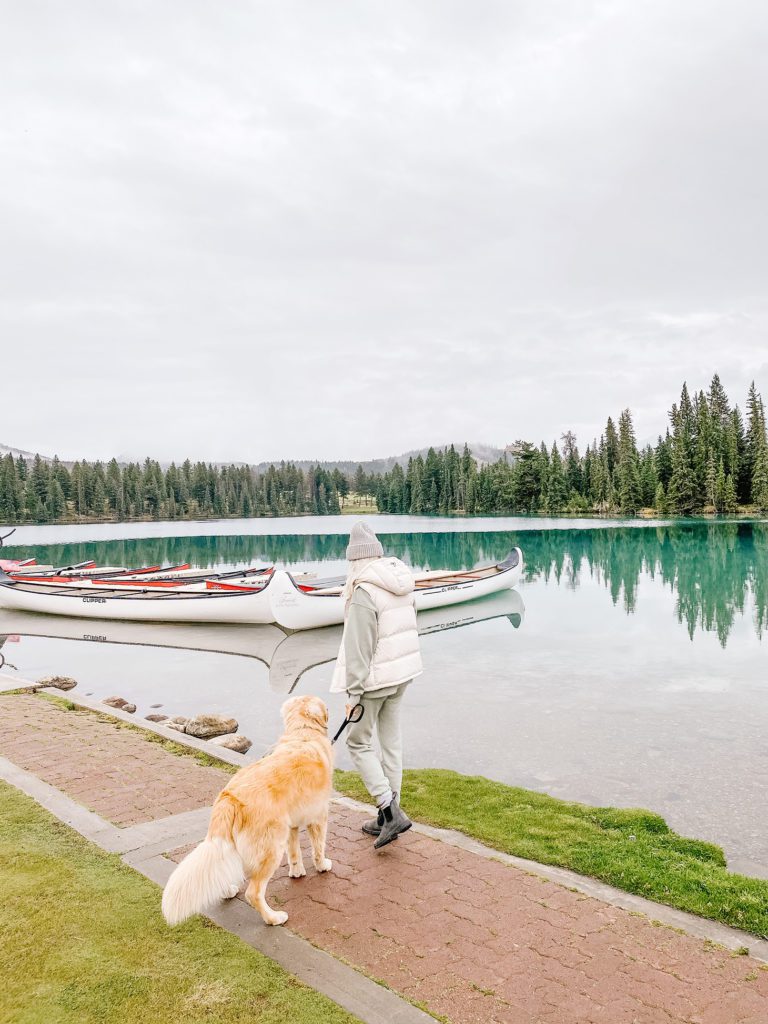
(16, 452)
(484, 453)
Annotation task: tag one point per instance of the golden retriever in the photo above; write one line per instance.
(257, 816)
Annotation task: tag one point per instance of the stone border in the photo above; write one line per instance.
(10, 683)
(699, 927)
(142, 848)
(202, 746)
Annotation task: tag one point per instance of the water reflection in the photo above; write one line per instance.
(287, 656)
(711, 567)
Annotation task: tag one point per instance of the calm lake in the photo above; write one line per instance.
(628, 668)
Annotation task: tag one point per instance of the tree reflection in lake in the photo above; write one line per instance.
(718, 570)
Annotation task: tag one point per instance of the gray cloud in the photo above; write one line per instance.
(252, 230)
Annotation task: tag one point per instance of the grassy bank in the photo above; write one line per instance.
(633, 850)
(83, 941)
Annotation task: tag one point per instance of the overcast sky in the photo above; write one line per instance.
(344, 230)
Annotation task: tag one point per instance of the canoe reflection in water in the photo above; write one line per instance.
(287, 655)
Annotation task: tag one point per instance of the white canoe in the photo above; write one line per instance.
(294, 608)
(195, 603)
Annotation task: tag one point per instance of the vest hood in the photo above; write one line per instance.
(388, 574)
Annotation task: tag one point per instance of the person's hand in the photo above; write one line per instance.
(348, 709)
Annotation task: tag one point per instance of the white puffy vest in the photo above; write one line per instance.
(397, 657)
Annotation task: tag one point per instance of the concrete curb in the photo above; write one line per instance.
(353, 991)
(86, 822)
(9, 683)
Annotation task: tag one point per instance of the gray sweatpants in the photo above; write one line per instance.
(385, 771)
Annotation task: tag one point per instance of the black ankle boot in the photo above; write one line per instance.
(395, 822)
(372, 827)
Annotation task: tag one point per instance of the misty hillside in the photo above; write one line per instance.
(16, 452)
(484, 453)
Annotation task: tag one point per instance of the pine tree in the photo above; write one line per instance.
(55, 505)
(660, 500)
(663, 458)
(526, 478)
(557, 485)
(627, 470)
(611, 445)
(760, 478)
(682, 493)
(720, 499)
(737, 466)
(417, 487)
(720, 413)
(572, 464)
(11, 491)
(756, 449)
(710, 480)
(730, 503)
(467, 482)
(703, 440)
(649, 478)
(431, 482)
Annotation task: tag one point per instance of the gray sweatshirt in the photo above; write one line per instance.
(361, 635)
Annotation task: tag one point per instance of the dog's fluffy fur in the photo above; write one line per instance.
(258, 816)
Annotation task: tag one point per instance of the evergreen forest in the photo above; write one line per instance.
(711, 458)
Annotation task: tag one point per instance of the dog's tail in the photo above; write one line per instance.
(213, 871)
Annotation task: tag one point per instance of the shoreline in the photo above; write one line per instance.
(28, 535)
(620, 847)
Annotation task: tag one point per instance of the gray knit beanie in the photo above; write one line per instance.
(363, 543)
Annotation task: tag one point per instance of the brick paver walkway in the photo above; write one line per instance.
(478, 941)
(114, 772)
(474, 940)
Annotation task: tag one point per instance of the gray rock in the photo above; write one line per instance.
(130, 708)
(155, 718)
(178, 722)
(238, 742)
(60, 682)
(115, 702)
(205, 726)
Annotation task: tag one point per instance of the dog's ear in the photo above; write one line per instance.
(317, 710)
(287, 707)
(325, 712)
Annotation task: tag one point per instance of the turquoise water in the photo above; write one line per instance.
(630, 669)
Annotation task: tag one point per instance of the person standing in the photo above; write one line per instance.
(379, 656)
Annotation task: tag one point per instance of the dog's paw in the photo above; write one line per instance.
(231, 892)
(277, 917)
(324, 865)
(297, 871)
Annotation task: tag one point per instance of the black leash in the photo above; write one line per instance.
(355, 715)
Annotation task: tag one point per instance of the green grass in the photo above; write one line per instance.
(633, 850)
(358, 505)
(82, 940)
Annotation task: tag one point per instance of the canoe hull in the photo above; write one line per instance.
(211, 606)
(293, 609)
